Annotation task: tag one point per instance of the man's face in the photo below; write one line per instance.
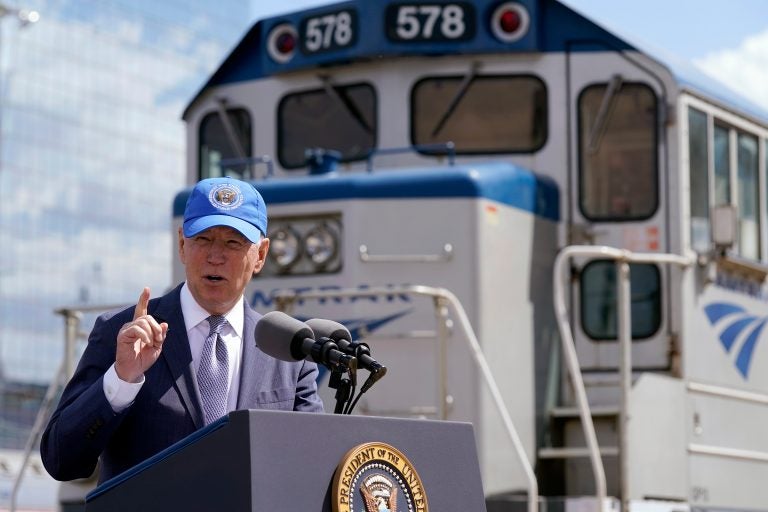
(219, 263)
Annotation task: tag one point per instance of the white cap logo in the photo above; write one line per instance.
(226, 196)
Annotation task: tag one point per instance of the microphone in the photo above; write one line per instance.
(284, 337)
(341, 336)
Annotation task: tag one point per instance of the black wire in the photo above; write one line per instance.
(347, 409)
(354, 403)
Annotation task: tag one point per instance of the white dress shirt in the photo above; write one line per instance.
(120, 394)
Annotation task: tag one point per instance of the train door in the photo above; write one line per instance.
(617, 169)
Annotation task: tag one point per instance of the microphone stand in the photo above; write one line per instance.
(345, 386)
(343, 379)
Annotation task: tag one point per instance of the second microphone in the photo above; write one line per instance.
(284, 337)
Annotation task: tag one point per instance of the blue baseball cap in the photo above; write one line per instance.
(226, 202)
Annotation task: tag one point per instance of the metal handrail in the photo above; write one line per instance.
(622, 259)
(448, 147)
(37, 428)
(249, 163)
(443, 298)
(72, 317)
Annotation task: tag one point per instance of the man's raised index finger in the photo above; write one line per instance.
(141, 306)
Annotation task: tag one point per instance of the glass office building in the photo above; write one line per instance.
(91, 155)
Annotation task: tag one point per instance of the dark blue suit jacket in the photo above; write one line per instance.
(168, 408)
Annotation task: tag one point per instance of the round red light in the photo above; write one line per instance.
(282, 42)
(285, 43)
(509, 21)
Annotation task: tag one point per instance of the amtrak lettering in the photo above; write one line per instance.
(262, 300)
(735, 283)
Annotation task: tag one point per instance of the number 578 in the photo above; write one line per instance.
(419, 21)
(330, 30)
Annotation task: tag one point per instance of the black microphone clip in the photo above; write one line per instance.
(326, 352)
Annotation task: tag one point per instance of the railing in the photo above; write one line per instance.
(622, 258)
(248, 165)
(438, 149)
(72, 333)
(443, 299)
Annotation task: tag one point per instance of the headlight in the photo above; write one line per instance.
(321, 244)
(284, 247)
(302, 245)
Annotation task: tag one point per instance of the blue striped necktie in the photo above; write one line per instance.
(213, 373)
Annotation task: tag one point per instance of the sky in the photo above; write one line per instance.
(728, 40)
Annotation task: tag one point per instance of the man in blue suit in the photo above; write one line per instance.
(154, 373)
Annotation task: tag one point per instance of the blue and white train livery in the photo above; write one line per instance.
(518, 155)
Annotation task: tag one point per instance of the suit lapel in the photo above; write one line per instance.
(252, 359)
(178, 356)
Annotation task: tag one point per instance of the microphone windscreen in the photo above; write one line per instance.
(281, 336)
(329, 329)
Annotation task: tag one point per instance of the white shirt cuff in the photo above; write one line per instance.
(120, 394)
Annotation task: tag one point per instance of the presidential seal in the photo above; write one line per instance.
(226, 196)
(376, 477)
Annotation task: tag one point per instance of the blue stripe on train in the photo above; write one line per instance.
(503, 182)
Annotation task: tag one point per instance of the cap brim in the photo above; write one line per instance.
(196, 226)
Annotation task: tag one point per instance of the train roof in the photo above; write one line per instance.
(692, 79)
(564, 26)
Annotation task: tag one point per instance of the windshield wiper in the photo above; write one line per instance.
(229, 130)
(601, 121)
(462, 90)
(340, 96)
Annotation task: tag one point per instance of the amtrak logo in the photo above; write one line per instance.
(362, 326)
(737, 327)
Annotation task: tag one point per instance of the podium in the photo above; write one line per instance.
(273, 461)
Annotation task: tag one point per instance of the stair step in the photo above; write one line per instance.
(573, 412)
(576, 452)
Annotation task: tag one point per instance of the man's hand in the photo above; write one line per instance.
(139, 342)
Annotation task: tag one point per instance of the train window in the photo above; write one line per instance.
(480, 114)
(722, 166)
(336, 117)
(749, 191)
(599, 301)
(617, 132)
(698, 152)
(223, 142)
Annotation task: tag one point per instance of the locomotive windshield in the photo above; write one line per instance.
(335, 117)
